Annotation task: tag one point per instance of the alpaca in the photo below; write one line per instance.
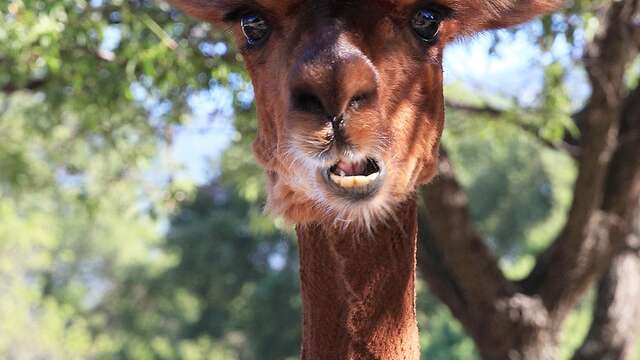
(350, 114)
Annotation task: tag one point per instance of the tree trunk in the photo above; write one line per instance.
(504, 323)
(521, 320)
(616, 316)
(527, 344)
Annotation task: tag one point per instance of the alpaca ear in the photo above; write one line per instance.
(506, 13)
(206, 10)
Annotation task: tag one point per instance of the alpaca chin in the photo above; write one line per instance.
(365, 215)
(305, 200)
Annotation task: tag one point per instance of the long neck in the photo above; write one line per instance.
(358, 290)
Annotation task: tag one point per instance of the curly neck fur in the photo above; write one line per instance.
(358, 290)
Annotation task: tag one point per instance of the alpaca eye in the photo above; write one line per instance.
(254, 28)
(426, 24)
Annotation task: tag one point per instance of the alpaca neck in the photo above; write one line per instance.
(358, 290)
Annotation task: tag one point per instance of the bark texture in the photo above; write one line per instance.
(358, 290)
(521, 320)
(463, 273)
(616, 317)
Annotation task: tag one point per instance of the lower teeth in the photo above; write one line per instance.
(350, 182)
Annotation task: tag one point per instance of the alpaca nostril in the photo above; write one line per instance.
(337, 123)
(307, 102)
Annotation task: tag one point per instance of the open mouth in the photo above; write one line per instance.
(359, 178)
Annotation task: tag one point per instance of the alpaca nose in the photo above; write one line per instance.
(329, 81)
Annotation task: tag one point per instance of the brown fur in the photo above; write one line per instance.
(357, 281)
(362, 308)
(403, 123)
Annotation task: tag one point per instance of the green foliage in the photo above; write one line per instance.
(442, 336)
(229, 288)
(555, 117)
(93, 93)
(505, 203)
(518, 190)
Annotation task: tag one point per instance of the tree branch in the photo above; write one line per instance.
(616, 316)
(478, 110)
(568, 144)
(32, 85)
(623, 182)
(596, 225)
(459, 267)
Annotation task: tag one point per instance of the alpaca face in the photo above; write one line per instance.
(349, 95)
(353, 104)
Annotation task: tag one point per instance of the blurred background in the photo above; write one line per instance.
(131, 222)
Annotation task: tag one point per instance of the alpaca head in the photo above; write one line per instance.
(349, 94)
